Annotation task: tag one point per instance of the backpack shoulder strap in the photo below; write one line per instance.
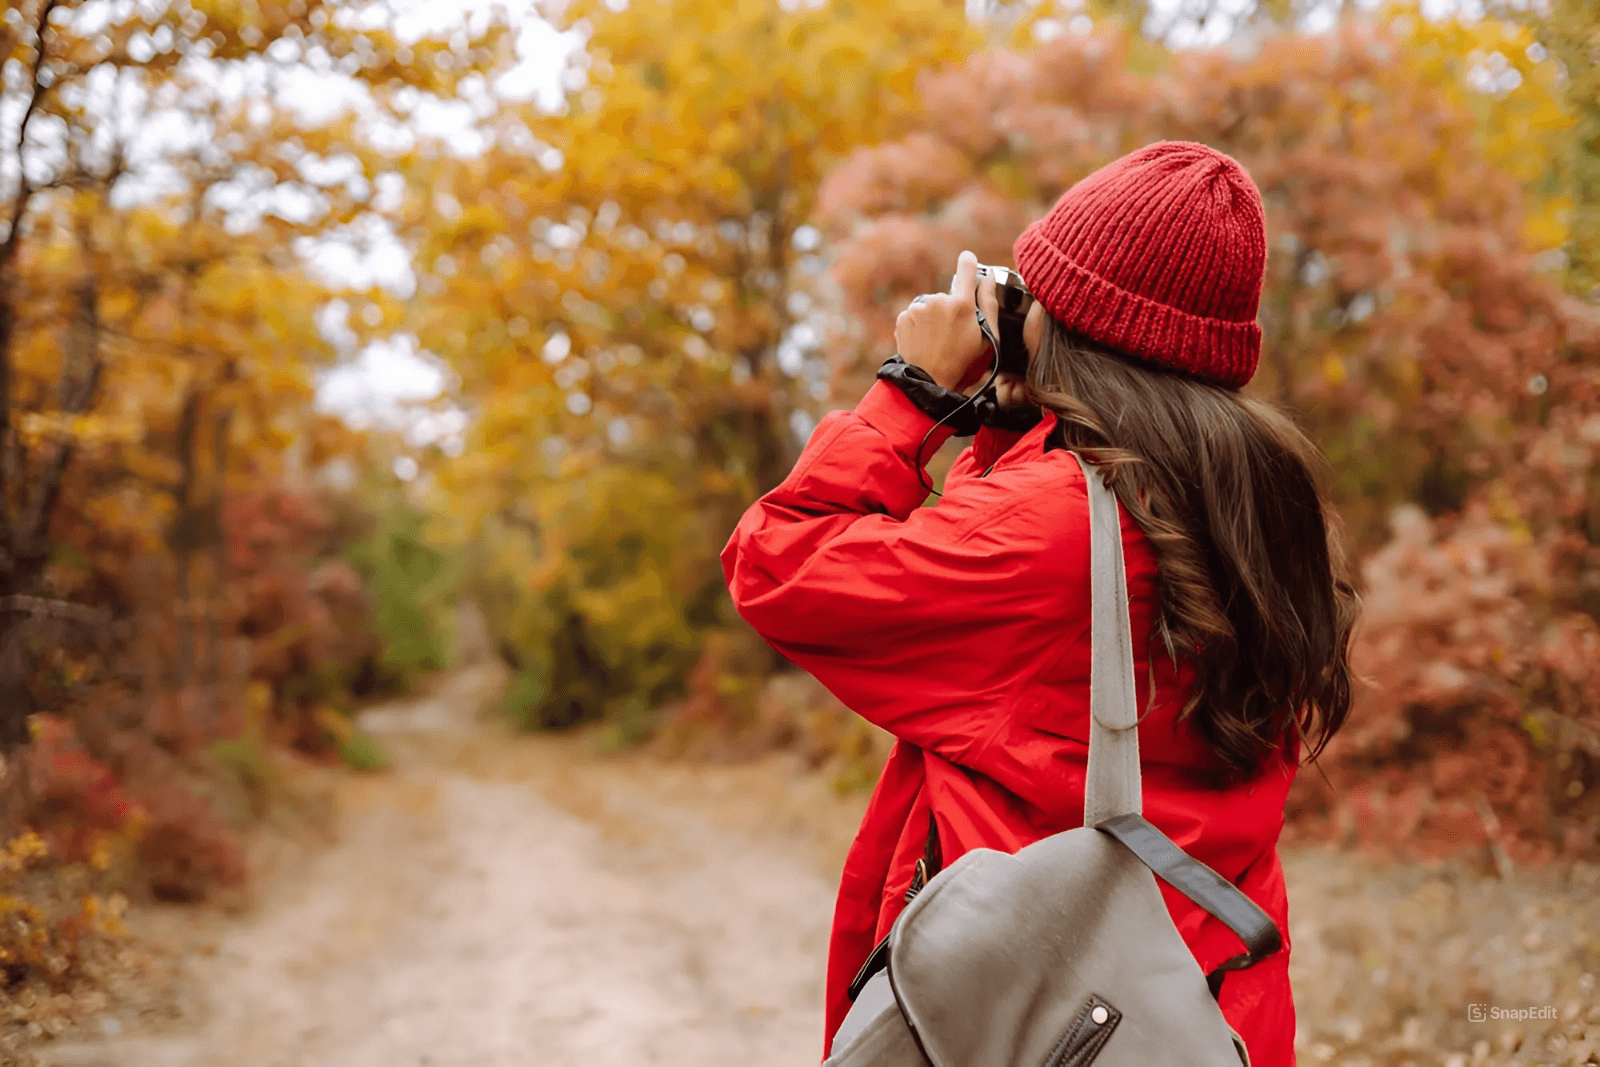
(1111, 801)
(1112, 786)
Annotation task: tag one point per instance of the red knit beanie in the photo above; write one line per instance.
(1159, 255)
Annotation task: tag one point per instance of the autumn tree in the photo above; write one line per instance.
(158, 326)
(1570, 31)
(613, 285)
(1326, 126)
(1411, 324)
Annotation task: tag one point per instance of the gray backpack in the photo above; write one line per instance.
(1064, 954)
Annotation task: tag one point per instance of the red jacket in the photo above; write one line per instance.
(963, 630)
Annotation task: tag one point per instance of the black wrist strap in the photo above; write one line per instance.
(939, 403)
(931, 398)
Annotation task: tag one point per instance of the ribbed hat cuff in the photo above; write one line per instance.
(1215, 350)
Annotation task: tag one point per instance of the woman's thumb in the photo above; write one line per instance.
(966, 278)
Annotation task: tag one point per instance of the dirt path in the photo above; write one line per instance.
(500, 901)
(509, 901)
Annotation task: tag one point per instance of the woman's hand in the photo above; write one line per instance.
(940, 334)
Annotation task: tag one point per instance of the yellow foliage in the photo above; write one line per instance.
(161, 343)
(47, 928)
(613, 318)
(1333, 370)
(1525, 119)
(22, 850)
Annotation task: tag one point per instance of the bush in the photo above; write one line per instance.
(178, 844)
(735, 709)
(185, 848)
(73, 800)
(356, 750)
(53, 915)
(1480, 728)
(409, 584)
(162, 734)
(323, 627)
(602, 611)
(243, 762)
(362, 752)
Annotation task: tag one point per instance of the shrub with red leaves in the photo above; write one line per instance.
(306, 616)
(128, 749)
(75, 799)
(1481, 722)
(184, 847)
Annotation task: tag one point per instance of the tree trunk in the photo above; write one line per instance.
(217, 540)
(16, 701)
(181, 536)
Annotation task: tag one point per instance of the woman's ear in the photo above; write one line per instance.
(1032, 327)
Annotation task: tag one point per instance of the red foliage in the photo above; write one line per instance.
(184, 847)
(1482, 720)
(1406, 327)
(306, 618)
(286, 615)
(74, 798)
(74, 801)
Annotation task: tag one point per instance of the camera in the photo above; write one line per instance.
(1015, 300)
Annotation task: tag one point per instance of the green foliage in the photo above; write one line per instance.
(408, 581)
(633, 720)
(362, 752)
(525, 695)
(244, 762)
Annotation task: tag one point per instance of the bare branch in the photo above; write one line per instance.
(8, 249)
(44, 607)
(8, 253)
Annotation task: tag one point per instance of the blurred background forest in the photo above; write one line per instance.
(640, 294)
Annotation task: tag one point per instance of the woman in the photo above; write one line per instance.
(963, 629)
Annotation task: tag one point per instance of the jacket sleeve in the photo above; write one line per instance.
(889, 603)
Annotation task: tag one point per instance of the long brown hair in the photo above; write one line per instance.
(1252, 578)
